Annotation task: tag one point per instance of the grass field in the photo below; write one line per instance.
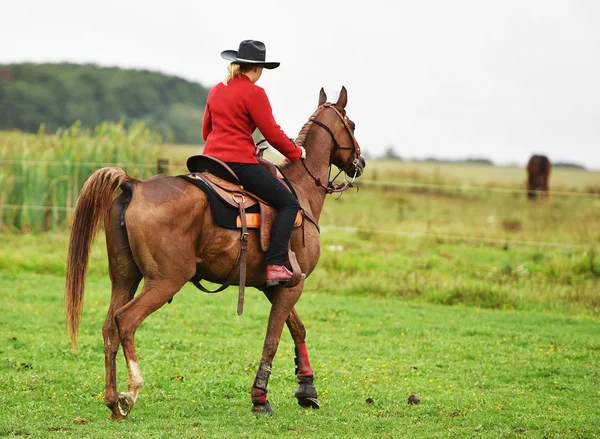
(520, 361)
(483, 305)
(478, 373)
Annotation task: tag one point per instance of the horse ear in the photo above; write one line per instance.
(343, 99)
(322, 97)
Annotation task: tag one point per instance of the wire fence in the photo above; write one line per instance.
(411, 234)
(33, 207)
(456, 237)
(163, 164)
(409, 184)
(76, 164)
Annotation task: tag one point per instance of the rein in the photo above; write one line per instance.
(330, 188)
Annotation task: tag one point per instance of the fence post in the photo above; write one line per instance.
(162, 166)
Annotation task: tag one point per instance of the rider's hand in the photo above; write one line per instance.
(303, 154)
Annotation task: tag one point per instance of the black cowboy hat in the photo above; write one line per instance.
(250, 52)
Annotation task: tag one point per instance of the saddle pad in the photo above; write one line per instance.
(225, 215)
(258, 216)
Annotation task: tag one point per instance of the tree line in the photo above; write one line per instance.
(57, 95)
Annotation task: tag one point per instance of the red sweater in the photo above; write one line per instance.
(233, 112)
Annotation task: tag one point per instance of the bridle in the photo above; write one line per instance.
(330, 188)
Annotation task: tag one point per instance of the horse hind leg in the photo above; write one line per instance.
(125, 278)
(123, 290)
(154, 294)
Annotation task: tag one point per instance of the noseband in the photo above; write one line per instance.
(345, 185)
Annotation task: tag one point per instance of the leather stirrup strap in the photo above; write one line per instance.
(297, 272)
(243, 248)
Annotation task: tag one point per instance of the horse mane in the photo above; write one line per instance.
(301, 138)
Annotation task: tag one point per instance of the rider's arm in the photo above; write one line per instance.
(260, 110)
(206, 124)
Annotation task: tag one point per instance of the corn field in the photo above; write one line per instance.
(41, 174)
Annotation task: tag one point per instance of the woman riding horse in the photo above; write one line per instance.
(234, 109)
(162, 231)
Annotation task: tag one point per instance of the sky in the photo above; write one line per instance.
(496, 79)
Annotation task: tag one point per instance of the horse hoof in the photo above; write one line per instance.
(117, 417)
(308, 403)
(125, 404)
(307, 394)
(262, 409)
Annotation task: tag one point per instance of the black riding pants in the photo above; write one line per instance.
(258, 180)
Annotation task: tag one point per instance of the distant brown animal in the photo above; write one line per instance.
(413, 399)
(162, 230)
(538, 173)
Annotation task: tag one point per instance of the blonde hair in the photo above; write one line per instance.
(236, 69)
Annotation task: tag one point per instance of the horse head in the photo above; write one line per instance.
(345, 153)
(329, 125)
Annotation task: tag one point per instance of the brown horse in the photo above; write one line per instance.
(162, 230)
(538, 172)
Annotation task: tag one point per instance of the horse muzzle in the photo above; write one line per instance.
(357, 167)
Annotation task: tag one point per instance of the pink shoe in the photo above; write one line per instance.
(278, 275)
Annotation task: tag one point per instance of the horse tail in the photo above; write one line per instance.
(93, 204)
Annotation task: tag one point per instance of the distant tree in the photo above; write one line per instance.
(479, 161)
(57, 95)
(390, 154)
(475, 160)
(568, 165)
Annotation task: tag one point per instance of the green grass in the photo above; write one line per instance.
(478, 373)
(448, 294)
(487, 276)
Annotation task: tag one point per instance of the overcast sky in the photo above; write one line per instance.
(448, 78)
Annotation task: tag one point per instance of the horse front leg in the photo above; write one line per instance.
(307, 393)
(282, 302)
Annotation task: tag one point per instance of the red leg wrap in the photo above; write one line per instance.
(259, 396)
(303, 363)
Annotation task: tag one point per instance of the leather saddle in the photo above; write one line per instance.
(223, 182)
(226, 185)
